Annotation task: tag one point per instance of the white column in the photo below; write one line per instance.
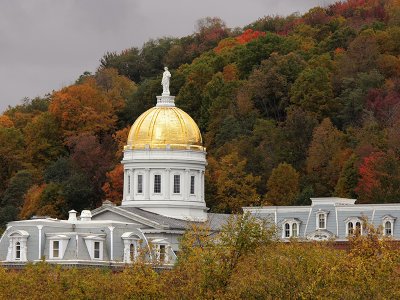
(125, 184)
(131, 183)
(147, 184)
(198, 186)
(186, 185)
(111, 242)
(167, 189)
(202, 185)
(40, 241)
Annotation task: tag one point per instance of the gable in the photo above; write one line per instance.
(116, 214)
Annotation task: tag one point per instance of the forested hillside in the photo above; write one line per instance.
(289, 108)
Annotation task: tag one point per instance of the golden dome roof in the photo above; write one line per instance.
(165, 127)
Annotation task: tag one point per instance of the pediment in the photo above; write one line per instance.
(320, 235)
(114, 213)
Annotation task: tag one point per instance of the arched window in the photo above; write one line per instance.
(18, 251)
(290, 228)
(350, 228)
(358, 228)
(388, 225)
(131, 245)
(353, 226)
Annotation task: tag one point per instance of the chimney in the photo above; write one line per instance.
(72, 216)
(86, 215)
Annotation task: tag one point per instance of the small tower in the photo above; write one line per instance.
(164, 162)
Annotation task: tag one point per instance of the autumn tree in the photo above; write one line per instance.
(326, 156)
(283, 185)
(235, 187)
(82, 108)
(379, 178)
(44, 141)
(114, 185)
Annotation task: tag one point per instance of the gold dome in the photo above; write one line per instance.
(163, 128)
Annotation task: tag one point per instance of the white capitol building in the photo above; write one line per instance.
(164, 163)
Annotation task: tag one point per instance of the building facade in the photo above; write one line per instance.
(164, 163)
(330, 218)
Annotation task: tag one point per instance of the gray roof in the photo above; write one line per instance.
(216, 220)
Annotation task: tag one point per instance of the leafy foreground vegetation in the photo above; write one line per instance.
(244, 261)
(289, 108)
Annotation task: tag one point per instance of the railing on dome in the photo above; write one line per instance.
(165, 147)
(166, 101)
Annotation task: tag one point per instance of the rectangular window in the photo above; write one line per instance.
(177, 184)
(96, 252)
(129, 184)
(388, 228)
(162, 253)
(294, 230)
(18, 250)
(140, 184)
(157, 184)
(56, 249)
(192, 185)
(321, 219)
(287, 230)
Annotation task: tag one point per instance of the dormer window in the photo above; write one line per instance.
(321, 218)
(17, 250)
(57, 245)
(131, 246)
(388, 225)
(95, 246)
(353, 226)
(290, 228)
(162, 248)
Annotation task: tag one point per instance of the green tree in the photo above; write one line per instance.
(313, 92)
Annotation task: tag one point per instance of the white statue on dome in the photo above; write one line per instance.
(165, 82)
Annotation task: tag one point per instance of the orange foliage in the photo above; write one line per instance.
(249, 35)
(120, 137)
(244, 38)
(5, 121)
(114, 186)
(82, 109)
(228, 43)
(32, 201)
(230, 73)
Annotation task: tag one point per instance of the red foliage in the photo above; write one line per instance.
(369, 178)
(364, 9)
(384, 104)
(248, 36)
